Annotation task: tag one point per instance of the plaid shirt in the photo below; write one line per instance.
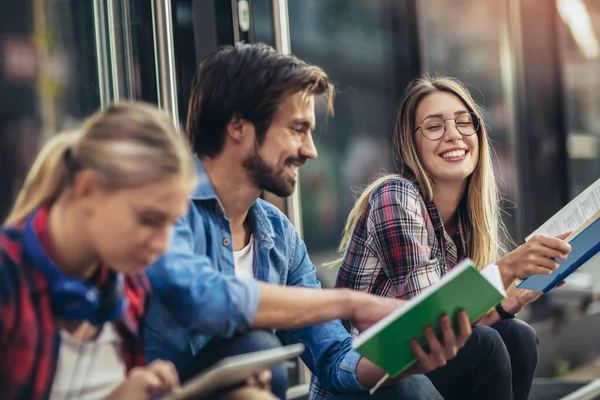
(29, 336)
(399, 246)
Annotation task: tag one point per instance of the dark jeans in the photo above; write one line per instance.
(219, 348)
(497, 363)
(416, 387)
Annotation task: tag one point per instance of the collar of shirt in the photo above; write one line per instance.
(441, 233)
(262, 227)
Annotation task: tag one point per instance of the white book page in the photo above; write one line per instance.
(573, 215)
(492, 274)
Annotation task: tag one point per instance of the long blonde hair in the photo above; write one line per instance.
(486, 234)
(128, 144)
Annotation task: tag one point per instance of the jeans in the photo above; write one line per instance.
(219, 348)
(497, 363)
(416, 387)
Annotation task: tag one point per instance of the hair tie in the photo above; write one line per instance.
(70, 162)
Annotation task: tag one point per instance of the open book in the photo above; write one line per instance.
(387, 343)
(232, 371)
(582, 217)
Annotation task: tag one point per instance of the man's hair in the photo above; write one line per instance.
(249, 81)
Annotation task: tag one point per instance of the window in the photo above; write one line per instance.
(579, 38)
(367, 48)
(463, 39)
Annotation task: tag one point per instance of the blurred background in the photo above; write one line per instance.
(533, 65)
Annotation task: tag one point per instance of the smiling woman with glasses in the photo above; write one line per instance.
(406, 231)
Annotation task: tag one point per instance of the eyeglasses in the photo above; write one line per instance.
(434, 128)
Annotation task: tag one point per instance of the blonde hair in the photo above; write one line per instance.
(128, 144)
(485, 231)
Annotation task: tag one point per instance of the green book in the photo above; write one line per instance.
(387, 343)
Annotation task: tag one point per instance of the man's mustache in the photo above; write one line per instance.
(296, 160)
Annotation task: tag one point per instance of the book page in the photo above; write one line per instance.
(573, 215)
(492, 274)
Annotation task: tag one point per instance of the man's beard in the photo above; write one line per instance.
(267, 178)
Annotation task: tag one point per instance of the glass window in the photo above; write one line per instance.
(361, 47)
(52, 78)
(49, 81)
(463, 39)
(579, 37)
(262, 27)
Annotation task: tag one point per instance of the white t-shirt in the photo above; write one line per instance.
(89, 370)
(243, 261)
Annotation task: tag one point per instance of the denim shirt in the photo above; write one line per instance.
(196, 293)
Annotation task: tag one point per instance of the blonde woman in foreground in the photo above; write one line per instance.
(406, 231)
(95, 210)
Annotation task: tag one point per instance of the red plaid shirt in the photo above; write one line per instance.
(29, 336)
(399, 246)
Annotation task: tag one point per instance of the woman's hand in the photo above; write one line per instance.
(261, 381)
(257, 388)
(143, 383)
(517, 298)
(536, 257)
(440, 352)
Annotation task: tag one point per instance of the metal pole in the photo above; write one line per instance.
(282, 43)
(235, 20)
(282, 26)
(101, 52)
(292, 202)
(113, 22)
(130, 84)
(164, 54)
(588, 392)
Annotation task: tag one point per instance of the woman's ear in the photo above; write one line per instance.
(87, 189)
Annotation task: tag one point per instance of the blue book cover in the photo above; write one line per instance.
(585, 243)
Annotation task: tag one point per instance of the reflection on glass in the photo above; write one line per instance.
(353, 41)
(579, 40)
(49, 72)
(262, 28)
(469, 48)
(48, 78)
(359, 46)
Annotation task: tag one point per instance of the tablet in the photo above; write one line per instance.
(234, 370)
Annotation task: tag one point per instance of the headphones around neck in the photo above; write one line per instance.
(73, 298)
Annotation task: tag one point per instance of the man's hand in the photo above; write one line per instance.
(369, 309)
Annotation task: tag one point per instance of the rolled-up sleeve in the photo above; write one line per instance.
(197, 295)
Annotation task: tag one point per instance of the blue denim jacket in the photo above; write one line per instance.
(196, 293)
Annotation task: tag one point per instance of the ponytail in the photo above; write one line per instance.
(127, 145)
(359, 207)
(47, 178)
